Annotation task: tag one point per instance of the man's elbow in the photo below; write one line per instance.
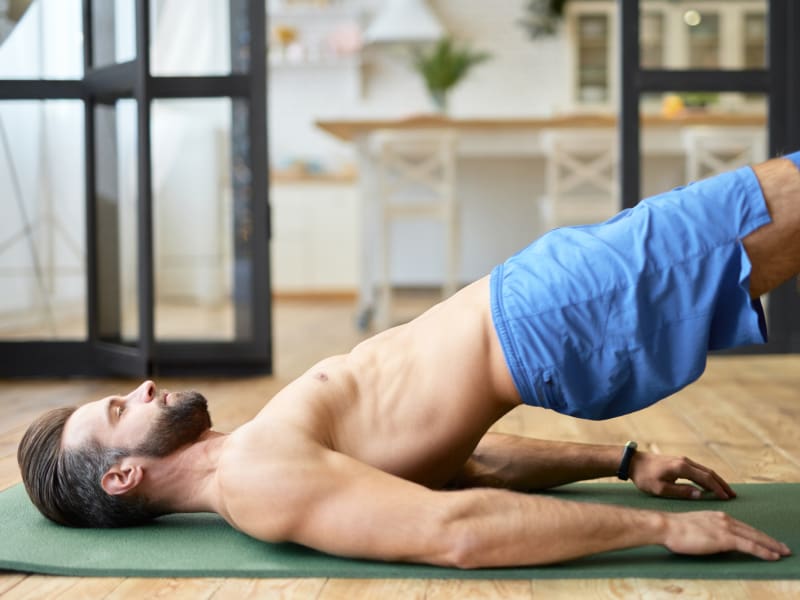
(456, 544)
(461, 549)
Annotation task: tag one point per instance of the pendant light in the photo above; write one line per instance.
(404, 22)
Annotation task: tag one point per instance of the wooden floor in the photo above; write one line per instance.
(742, 417)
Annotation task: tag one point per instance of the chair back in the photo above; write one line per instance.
(416, 170)
(581, 183)
(714, 150)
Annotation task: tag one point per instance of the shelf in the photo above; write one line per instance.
(344, 62)
(288, 176)
(317, 37)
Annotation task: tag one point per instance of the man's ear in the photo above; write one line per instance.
(122, 478)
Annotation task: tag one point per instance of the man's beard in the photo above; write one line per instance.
(177, 425)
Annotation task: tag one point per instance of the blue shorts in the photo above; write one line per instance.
(603, 320)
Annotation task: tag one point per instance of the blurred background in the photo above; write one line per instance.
(391, 150)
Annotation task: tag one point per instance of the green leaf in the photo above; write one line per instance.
(446, 63)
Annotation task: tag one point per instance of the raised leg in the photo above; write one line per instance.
(774, 249)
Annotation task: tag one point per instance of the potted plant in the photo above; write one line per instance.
(542, 17)
(443, 65)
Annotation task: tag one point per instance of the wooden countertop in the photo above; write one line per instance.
(349, 129)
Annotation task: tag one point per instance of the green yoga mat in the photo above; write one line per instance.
(202, 545)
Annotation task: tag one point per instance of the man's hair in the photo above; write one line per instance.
(64, 484)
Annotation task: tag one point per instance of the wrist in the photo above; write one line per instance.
(628, 453)
(658, 527)
(647, 528)
(636, 460)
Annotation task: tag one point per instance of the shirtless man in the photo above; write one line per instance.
(383, 453)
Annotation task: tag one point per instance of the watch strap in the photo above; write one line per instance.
(623, 472)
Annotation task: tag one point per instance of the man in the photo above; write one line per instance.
(383, 452)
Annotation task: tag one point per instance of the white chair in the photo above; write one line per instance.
(580, 176)
(415, 178)
(714, 150)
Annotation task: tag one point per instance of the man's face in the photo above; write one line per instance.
(146, 422)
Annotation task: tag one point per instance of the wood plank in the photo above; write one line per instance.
(174, 589)
(772, 590)
(599, 589)
(663, 589)
(91, 587)
(476, 589)
(283, 589)
(663, 422)
(9, 440)
(547, 424)
(9, 472)
(777, 425)
(9, 580)
(758, 462)
(346, 589)
(712, 416)
(41, 586)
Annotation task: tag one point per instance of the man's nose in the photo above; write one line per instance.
(144, 393)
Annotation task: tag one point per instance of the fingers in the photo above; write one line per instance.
(680, 490)
(703, 476)
(708, 480)
(747, 546)
(709, 532)
(712, 482)
(657, 474)
(755, 542)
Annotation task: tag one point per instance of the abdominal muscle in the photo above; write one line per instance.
(415, 400)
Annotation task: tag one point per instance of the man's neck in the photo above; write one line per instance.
(186, 480)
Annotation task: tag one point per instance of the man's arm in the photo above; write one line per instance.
(524, 464)
(342, 506)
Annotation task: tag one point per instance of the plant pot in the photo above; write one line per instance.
(439, 99)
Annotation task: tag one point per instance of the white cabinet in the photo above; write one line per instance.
(315, 241)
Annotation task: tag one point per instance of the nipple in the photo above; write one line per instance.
(321, 376)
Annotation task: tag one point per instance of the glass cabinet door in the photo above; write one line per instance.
(593, 58)
(703, 32)
(651, 47)
(755, 40)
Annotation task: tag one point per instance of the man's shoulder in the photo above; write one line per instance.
(263, 478)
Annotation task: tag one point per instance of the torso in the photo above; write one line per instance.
(413, 401)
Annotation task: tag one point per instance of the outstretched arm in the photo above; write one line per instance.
(339, 505)
(524, 464)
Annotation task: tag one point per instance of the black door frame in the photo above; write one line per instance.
(104, 85)
(779, 81)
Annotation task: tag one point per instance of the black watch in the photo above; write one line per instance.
(625, 463)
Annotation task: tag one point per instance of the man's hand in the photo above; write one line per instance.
(709, 532)
(658, 475)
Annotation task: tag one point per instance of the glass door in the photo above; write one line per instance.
(116, 320)
(133, 153)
